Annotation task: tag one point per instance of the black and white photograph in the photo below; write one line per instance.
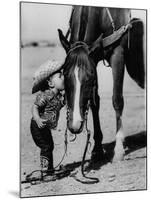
(83, 126)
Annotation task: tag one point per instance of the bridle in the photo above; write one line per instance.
(92, 180)
(85, 119)
(78, 44)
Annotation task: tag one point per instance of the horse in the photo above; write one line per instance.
(108, 34)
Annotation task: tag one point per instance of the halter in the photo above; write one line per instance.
(77, 45)
(85, 114)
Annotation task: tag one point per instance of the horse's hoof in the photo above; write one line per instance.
(96, 159)
(119, 152)
(97, 156)
(118, 157)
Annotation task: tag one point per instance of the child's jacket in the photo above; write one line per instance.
(49, 106)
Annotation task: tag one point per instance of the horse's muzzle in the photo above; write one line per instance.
(76, 127)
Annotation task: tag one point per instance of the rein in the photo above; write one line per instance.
(90, 180)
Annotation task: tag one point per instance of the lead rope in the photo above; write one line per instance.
(90, 180)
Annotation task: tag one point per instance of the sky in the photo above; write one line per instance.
(41, 21)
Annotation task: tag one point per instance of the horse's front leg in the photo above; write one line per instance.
(117, 63)
(97, 152)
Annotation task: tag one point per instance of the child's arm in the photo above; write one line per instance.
(35, 113)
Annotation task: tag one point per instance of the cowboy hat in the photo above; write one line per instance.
(43, 72)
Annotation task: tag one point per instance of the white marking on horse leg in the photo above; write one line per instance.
(76, 109)
(119, 148)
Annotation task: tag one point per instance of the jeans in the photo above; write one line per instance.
(43, 139)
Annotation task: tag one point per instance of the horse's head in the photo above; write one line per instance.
(80, 80)
(79, 73)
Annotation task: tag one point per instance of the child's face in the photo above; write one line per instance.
(58, 81)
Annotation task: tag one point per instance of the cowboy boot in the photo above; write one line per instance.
(44, 165)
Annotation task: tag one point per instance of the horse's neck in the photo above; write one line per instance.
(84, 24)
(89, 22)
(75, 23)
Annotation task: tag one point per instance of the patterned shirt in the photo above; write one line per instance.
(49, 106)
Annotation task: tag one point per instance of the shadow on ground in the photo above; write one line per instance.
(132, 143)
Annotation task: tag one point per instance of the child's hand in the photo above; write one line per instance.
(62, 92)
(41, 122)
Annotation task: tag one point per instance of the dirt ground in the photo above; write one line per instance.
(129, 174)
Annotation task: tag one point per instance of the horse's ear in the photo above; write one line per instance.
(64, 41)
(96, 44)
